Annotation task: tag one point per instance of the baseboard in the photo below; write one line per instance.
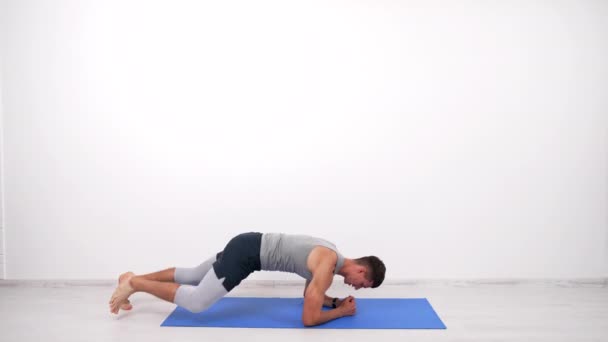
(573, 282)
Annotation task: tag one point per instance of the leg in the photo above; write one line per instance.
(239, 259)
(133, 283)
(193, 298)
(161, 284)
(162, 290)
(163, 276)
(180, 275)
(199, 298)
(193, 276)
(166, 275)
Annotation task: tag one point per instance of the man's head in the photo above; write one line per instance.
(366, 272)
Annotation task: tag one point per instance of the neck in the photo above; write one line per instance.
(348, 264)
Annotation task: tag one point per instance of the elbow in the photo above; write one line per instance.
(309, 321)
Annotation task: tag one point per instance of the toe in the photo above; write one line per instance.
(126, 305)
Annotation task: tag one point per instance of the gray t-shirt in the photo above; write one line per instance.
(289, 253)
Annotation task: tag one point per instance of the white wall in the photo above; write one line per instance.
(453, 139)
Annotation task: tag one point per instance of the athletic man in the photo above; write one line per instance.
(315, 259)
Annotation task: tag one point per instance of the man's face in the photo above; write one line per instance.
(357, 280)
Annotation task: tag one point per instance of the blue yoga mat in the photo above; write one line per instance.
(248, 312)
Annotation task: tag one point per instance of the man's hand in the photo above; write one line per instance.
(348, 307)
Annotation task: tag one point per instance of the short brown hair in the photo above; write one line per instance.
(375, 269)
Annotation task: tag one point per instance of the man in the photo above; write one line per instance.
(315, 259)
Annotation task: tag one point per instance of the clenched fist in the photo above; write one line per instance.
(348, 307)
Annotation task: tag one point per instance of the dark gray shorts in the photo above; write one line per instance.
(239, 259)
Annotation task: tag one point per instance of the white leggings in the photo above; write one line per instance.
(200, 286)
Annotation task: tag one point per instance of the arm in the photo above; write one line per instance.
(327, 301)
(314, 298)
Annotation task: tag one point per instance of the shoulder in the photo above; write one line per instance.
(322, 259)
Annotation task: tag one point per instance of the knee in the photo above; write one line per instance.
(191, 300)
(197, 306)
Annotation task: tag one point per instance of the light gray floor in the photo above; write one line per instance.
(471, 311)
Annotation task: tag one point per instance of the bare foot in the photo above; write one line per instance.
(127, 304)
(122, 292)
